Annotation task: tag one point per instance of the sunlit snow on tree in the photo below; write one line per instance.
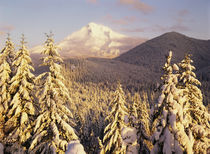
(196, 114)
(21, 107)
(113, 139)
(6, 58)
(52, 130)
(170, 135)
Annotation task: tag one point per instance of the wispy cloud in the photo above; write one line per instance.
(160, 28)
(121, 21)
(180, 19)
(5, 29)
(183, 12)
(179, 24)
(137, 5)
(133, 30)
(92, 1)
(2, 33)
(179, 27)
(157, 28)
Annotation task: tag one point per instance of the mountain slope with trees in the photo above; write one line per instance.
(70, 109)
(150, 53)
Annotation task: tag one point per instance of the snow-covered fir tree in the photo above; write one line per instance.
(21, 107)
(9, 49)
(139, 118)
(6, 58)
(143, 124)
(52, 130)
(134, 106)
(101, 147)
(171, 136)
(195, 112)
(113, 141)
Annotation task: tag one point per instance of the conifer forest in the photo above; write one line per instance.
(57, 110)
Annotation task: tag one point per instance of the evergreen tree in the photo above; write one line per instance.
(6, 57)
(170, 136)
(5, 75)
(134, 106)
(143, 127)
(52, 130)
(21, 107)
(101, 146)
(197, 116)
(140, 119)
(112, 138)
(9, 50)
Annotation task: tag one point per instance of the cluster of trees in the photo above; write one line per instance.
(34, 116)
(51, 114)
(180, 119)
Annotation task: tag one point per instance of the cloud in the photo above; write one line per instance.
(179, 27)
(133, 30)
(175, 27)
(180, 20)
(99, 41)
(2, 33)
(183, 12)
(180, 24)
(92, 1)
(157, 28)
(122, 21)
(6, 28)
(137, 5)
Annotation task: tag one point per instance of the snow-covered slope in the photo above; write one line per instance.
(95, 40)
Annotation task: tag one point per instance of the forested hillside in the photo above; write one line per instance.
(101, 106)
(150, 53)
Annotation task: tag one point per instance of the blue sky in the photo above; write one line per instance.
(141, 18)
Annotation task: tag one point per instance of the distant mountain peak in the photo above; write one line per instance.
(96, 40)
(93, 25)
(174, 34)
(177, 35)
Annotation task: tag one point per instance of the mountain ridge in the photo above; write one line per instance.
(151, 53)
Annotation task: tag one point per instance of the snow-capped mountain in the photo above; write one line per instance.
(95, 40)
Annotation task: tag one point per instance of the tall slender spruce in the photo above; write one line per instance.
(112, 139)
(195, 112)
(6, 58)
(52, 130)
(21, 107)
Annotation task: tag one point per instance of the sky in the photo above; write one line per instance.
(137, 18)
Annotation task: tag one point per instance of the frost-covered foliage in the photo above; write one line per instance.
(197, 116)
(171, 135)
(75, 147)
(1, 149)
(143, 124)
(129, 136)
(144, 113)
(21, 106)
(52, 130)
(15, 148)
(140, 119)
(101, 147)
(134, 106)
(9, 50)
(6, 58)
(112, 138)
